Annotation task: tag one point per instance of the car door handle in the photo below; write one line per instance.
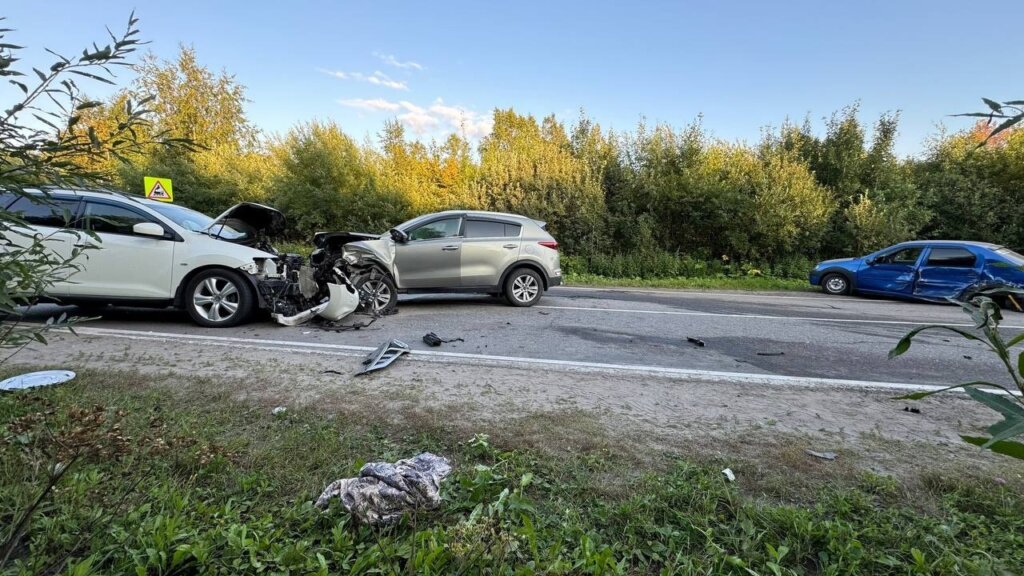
(450, 248)
(510, 246)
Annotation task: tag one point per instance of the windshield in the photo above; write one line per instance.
(184, 217)
(1012, 256)
(190, 219)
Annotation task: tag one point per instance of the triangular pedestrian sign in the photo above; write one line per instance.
(159, 189)
(158, 192)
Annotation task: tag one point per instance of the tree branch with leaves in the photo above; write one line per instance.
(41, 149)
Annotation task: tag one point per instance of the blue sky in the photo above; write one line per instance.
(441, 65)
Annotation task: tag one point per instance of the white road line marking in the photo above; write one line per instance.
(701, 376)
(695, 292)
(760, 316)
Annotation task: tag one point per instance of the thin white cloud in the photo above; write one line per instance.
(419, 122)
(381, 79)
(459, 119)
(436, 119)
(375, 104)
(390, 60)
(378, 78)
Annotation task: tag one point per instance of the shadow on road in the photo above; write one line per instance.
(169, 316)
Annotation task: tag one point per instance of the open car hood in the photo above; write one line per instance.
(333, 241)
(246, 221)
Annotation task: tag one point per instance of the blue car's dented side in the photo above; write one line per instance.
(941, 270)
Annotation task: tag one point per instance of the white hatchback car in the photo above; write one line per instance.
(151, 253)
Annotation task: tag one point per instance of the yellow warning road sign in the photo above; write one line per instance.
(158, 189)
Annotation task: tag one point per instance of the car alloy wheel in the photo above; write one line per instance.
(379, 294)
(216, 299)
(836, 284)
(525, 288)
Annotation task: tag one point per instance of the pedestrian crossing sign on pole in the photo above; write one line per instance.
(158, 189)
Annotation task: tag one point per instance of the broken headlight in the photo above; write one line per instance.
(260, 266)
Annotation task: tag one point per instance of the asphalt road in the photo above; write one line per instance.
(795, 334)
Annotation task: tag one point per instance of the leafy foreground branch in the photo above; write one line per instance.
(46, 141)
(188, 481)
(1003, 398)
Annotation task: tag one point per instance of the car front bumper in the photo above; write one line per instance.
(815, 278)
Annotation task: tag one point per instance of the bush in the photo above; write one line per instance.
(655, 264)
(323, 184)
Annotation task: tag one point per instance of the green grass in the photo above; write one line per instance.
(181, 478)
(750, 283)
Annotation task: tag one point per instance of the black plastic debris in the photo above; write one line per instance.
(911, 410)
(339, 327)
(433, 340)
(338, 372)
(771, 353)
(822, 455)
(384, 356)
(695, 341)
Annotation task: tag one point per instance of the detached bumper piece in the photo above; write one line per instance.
(384, 356)
(343, 301)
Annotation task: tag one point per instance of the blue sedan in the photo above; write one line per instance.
(924, 270)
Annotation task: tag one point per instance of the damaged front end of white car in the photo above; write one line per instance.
(347, 272)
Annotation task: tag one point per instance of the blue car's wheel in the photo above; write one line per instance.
(835, 284)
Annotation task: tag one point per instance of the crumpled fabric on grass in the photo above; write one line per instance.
(383, 492)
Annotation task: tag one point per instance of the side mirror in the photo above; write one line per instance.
(148, 229)
(399, 236)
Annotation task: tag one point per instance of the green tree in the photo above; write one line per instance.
(431, 177)
(228, 163)
(323, 182)
(792, 210)
(530, 168)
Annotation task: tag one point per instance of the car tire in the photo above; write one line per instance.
(835, 284)
(219, 298)
(380, 290)
(523, 287)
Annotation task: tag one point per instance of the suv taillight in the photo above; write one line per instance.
(549, 244)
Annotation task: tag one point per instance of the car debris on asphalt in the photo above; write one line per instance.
(384, 356)
(822, 455)
(383, 492)
(912, 409)
(771, 353)
(433, 340)
(728, 473)
(36, 379)
(695, 341)
(279, 410)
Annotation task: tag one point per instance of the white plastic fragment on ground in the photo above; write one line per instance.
(822, 455)
(279, 410)
(383, 492)
(343, 301)
(729, 475)
(37, 379)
